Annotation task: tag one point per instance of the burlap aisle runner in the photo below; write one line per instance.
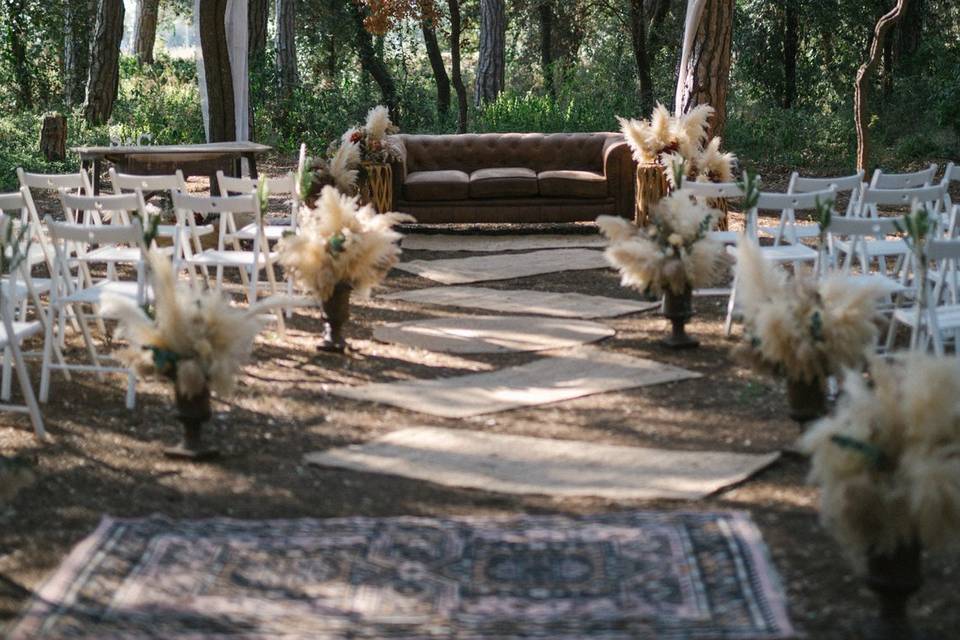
(497, 244)
(544, 303)
(578, 373)
(505, 267)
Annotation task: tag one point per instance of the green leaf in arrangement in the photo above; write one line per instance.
(824, 213)
(816, 326)
(679, 170)
(263, 195)
(335, 245)
(751, 190)
(165, 360)
(879, 460)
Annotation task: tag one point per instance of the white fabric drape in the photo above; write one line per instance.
(692, 23)
(235, 21)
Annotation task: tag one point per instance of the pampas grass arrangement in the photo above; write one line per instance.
(194, 338)
(666, 140)
(670, 257)
(672, 254)
(340, 171)
(373, 137)
(888, 459)
(341, 247)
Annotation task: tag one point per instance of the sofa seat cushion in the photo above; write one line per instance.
(437, 185)
(572, 184)
(509, 182)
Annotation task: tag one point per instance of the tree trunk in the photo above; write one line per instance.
(661, 8)
(216, 64)
(145, 31)
(861, 85)
(76, 49)
(436, 63)
(545, 14)
(909, 31)
(53, 137)
(287, 46)
(104, 77)
(490, 62)
(638, 37)
(457, 76)
(258, 16)
(374, 65)
(707, 75)
(791, 45)
(17, 37)
(887, 77)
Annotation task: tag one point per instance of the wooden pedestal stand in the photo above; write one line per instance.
(377, 186)
(651, 188)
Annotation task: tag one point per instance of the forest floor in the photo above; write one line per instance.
(104, 459)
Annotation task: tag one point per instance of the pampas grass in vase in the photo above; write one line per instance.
(340, 248)
(888, 464)
(664, 141)
(341, 171)
(802, 328)
(669, 258)
(196, 339)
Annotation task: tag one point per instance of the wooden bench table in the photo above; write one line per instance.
(192, 159)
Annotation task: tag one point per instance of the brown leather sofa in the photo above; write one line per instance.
(513, 177)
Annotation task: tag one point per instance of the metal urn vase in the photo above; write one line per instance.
(193, 412)
(336, 313)
(678, 309)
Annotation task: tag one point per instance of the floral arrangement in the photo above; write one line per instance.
(340, 171)
(195, 338)
(803, 328)
(338, 241)
(674, 253)
(372, 138)
(667, 140)
(888, 459)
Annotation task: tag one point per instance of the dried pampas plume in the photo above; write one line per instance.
(888, 460)
(344, 167)
(338, 241)
(378, 122)
(195, 337)
(800, 327)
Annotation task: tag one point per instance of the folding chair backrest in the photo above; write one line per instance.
(125, 182)
(930, 197)
(950, 174)
(851, 185)
(104, 234)
(924, 178)
(78, 182)
(870, 227)
(230, 204)
(787, 204)
(944, 255)
(281, 185)
(121, 204)
(13, 201)
(713, 189)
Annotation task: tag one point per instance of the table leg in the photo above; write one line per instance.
(252, 159)
(96, 176)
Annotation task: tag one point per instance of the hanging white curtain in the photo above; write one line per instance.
(692, 23)
(235, 21)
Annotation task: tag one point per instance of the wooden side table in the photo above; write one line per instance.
(377, 186)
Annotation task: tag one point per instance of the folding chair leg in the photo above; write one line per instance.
(5, 384)
(731, 304)
(88, 342)
(27, 390)
(48, 339)
(272, 279)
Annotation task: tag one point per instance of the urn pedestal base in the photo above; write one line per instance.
(336, 313)
(192, 413)
(678, 309)
(894, 577)
(807, 399)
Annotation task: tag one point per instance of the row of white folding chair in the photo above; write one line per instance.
(788, 230)
(281, 186)
(796, 255)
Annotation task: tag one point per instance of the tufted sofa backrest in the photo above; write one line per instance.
(536, 151)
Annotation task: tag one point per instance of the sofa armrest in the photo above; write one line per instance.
(619, 171)
(399, 170)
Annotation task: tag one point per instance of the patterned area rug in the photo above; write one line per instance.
(669, 576)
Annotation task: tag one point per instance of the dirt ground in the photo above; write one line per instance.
(105, 459)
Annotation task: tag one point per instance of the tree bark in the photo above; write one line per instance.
(490, 62)
(258, 16)
(861, 85)
(104, 77)
(909, 31)
(545, 15)
(436, 63)
(287, 46)
(145, 31)
(53, 137)
(638, 37)
(217, 70)
(17, 37)
(374, 65)
(456, 73)
(76, 49)
(791, 45)
(708, 68)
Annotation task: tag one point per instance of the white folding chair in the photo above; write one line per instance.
(796, 254)
(12, 336)
(922, 178)
(70, 291)
(716, 191)
(78, 183)
(273, 228)
(950, 174)
(939, 321)
(248, 262)
(851, 186)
